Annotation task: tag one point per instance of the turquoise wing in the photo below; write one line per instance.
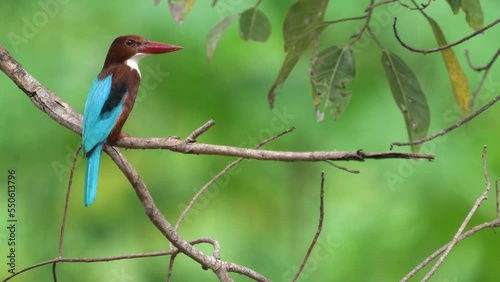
(97, 124)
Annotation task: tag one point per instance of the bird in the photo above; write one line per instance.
(111, 99)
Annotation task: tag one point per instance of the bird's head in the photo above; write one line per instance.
(130, 49)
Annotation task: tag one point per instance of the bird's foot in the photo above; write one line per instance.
(122, 135)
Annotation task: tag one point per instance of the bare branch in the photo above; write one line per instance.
(444, 131)
(455, 240)
(492, 224)
(497, 199)
(423, 6)
(66, 201)
(432, 50)
(345, 19)
(54, 273)
(320, 226)
(342, 168)
(220, 174)
(192, 137)
(211, 241)
(65, 213)
(369, 12)
(88, 260)
(486, 69)
(265, 155)
(459, 236)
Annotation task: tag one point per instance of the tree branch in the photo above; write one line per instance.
(65, 115)
(459, 236)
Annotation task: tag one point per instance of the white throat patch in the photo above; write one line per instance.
(134, 61)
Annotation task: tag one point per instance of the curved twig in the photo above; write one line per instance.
(219, 175)
(318, 230)
(486, 70)
(444, 131)
(432, 50)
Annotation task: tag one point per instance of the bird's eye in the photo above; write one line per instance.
(129, 42)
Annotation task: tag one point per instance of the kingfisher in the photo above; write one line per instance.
(111, 98)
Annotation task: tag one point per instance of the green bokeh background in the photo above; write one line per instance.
(378, 225)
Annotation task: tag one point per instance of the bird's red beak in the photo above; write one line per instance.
(157, 48)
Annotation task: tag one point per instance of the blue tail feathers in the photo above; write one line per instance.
(92, 175)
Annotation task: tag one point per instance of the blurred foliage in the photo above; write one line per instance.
(385, 220)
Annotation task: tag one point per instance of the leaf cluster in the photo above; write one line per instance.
(332, 69)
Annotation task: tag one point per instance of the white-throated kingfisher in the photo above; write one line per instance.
(111, 98)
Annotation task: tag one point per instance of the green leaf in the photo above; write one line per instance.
(216, 33)
(473, 13)
(303, 24)
(331, 71)
(408, 95)
(458, 80)
(303, 17)
(254, 25)
(454, 5)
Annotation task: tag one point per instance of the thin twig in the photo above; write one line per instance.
(65, 212)
(365, 26)
(455, 240)
(432, 50)
(88, 260)
(345, 19)
(374, 37)
(220, 174)
(192, 137)
(459, 236)
(444, 131)
(211, 241)
(423, 6)
(320, 226)
(342, 168)
(216, 253)
(371, 7)
(66, 201)
(470, 232)
(497, 199)
(171, 267)
(54, 272)
(486, 69)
